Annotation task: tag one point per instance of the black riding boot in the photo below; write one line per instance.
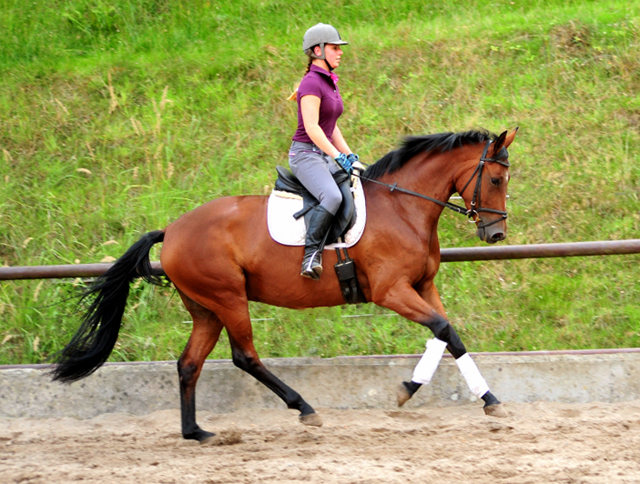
(319, 225)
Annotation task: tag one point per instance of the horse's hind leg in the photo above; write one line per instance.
(204, 336)
(245, 357)
(227, 300)
(237, 321)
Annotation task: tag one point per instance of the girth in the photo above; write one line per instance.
(346, 214)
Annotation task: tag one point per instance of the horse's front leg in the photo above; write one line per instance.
(426, 309)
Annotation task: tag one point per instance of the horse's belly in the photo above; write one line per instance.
(294, 291)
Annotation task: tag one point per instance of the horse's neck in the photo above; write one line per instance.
(429, 174)
(433, 175)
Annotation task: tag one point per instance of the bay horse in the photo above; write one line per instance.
(220, 255)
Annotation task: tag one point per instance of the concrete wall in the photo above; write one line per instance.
(345, 382)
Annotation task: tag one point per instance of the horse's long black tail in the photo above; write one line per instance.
(92, 344)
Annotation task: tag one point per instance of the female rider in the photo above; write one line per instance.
(319, 149)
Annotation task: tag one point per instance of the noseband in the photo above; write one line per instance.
(475, 209)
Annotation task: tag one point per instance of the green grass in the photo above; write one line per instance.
(117, 117)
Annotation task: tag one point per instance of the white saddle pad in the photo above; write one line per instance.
(286, 230)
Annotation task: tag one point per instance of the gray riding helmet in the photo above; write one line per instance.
(320, 34)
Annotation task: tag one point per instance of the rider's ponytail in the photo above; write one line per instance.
(294, 94)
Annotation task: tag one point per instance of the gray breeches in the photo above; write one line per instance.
(314, 170)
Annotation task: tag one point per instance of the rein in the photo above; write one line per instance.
(475, 201)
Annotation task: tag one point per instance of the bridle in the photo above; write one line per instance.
(474, 211)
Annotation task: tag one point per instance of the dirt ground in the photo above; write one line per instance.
(538, 443)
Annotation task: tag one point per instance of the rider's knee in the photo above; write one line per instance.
(331, 200)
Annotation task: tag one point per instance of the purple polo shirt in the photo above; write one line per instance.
(320, 83)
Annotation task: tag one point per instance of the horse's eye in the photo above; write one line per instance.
(496, 181)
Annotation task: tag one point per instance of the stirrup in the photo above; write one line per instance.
(313, 275)
(311, 271)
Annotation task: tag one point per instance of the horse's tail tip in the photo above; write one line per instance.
(59, 373)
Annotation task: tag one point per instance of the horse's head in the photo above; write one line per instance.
(485, 190)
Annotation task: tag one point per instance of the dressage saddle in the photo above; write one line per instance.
(345, 216)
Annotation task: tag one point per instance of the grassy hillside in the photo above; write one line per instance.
(117, 117)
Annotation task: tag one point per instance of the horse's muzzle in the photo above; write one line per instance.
(492, 233)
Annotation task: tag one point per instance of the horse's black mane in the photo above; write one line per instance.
(414, 145)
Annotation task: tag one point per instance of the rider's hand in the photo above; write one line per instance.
(356, 166)
(344, 162)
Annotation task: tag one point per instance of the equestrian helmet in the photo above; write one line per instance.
(320, 34)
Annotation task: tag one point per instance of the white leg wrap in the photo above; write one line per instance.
(472, 376)
(429, 362)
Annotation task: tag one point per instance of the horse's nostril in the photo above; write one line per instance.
(497, 237)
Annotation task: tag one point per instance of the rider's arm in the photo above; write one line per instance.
(339, 142)
(310, 109)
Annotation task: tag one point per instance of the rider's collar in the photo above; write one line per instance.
(324, 72)
(319, 70)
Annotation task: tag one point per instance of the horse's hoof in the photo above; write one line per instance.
(403, 395)
(496, 410)
(199, 435)
(228, 437)
(213, 439)
(312, 419)
(406, 390)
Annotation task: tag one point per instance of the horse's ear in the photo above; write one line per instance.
(496, 146)
(503, 141)
(510, 137)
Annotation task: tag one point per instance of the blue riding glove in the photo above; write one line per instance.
(356, 166)
(344, 162)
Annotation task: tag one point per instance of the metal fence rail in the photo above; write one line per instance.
(538, 251)
(531, 251)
